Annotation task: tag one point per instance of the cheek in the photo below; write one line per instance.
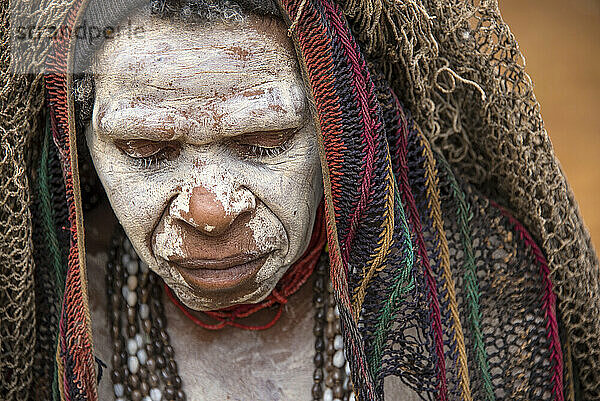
(292, 191)
(302, 180)
(137, 199)
(305, 182)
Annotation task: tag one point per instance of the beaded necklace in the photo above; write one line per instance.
(143, 360)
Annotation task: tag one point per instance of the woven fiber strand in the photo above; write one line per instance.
(20, 104)
(21, 101)
(457, 67)
(52, 242)
(76, 364)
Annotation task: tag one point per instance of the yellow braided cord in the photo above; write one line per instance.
(383, 245)
(442, 247)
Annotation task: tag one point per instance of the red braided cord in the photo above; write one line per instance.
(291, 282)
(548, 301)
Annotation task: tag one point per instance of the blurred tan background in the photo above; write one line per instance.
(561, 43)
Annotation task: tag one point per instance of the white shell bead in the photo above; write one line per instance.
(125, 291)
(125, 259)
(147, 398)
(155, 394)
(139, 340)
(338, 359)
(133, 364)
(338, 342)
(132, 267)
(119, 390)
(347, 369)
(328, 395)
(132, 298)
(132, 346)
(132, 283)
(144, 311)
(142, 356)
(121, 399)
(352, 397)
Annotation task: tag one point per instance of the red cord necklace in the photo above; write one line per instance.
(291, 282)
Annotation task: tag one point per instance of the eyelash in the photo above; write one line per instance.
(245, 151)
(260, 152)
(148, 162)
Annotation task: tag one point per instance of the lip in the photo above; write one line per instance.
(224, 274)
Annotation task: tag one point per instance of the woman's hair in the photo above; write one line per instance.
(215, 10)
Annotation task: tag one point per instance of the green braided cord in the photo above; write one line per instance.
(50, 236)
(404, 283)
(48, 218)
(464, 220)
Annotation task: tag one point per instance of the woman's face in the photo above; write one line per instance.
(202, 138)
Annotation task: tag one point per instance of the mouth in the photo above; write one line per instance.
(212, 275)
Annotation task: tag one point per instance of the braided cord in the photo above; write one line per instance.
(442, 247)
(404, 282)
(50, 236)
(383, 245)
(403, 136)
(464, 221)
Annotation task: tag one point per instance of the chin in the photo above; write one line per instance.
(207, 302)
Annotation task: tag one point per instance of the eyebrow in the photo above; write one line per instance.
(182, 127)
(142, 120)
(128, 123)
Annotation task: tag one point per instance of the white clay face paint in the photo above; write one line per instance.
(222, 185)
(170, 244)
(261, 233)
(203, 87)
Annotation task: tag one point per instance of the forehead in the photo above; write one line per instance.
(173, 52)
(196, 68)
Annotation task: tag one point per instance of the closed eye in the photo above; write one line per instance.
(263, 144)
(147, 152)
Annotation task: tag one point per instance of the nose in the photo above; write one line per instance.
(211, 214)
